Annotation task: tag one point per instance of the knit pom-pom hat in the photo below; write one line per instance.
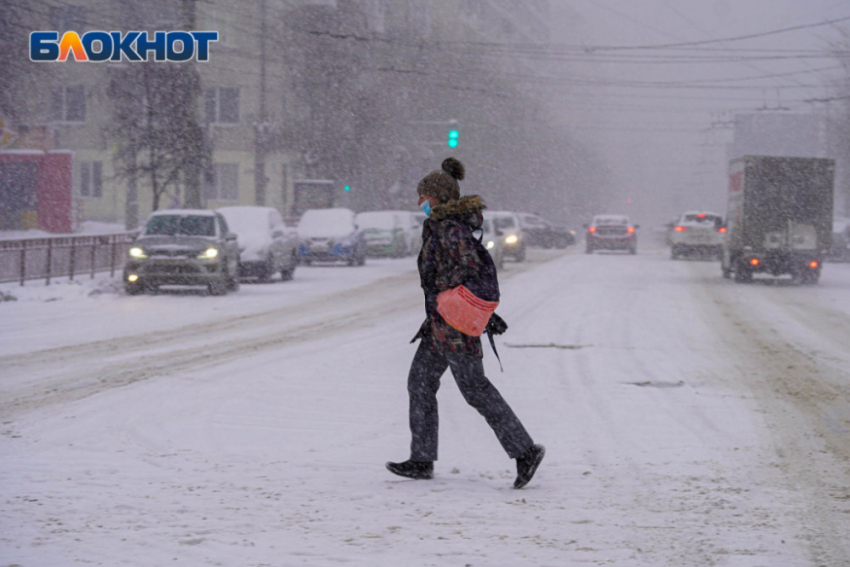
(443, 183)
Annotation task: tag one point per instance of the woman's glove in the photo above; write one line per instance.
(496, 325)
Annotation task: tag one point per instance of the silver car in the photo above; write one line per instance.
(266, 245)
(183, 247)
(492, 242)
(507, 227)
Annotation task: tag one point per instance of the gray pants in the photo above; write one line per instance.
(468, 371)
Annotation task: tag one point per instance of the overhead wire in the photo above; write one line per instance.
(729, 39)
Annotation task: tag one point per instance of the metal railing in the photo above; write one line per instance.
(52, 257)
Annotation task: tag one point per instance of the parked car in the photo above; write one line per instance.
(330, 235)
(611, 232)
(266, 244)
(492, 242)
(385, 232)
(697, 233)
(540, 232)
(414, 242)
(839, 250)
(507, 226)
(183, 247)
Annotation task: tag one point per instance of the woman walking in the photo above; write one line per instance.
(451, 256)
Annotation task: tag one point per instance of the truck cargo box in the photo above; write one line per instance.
(779, 216)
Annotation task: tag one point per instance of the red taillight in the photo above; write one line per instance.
(591, 229)
(754, 261)
(681, 228)
(630, 230)
(813, 264)
(721, 229)
(700, 216)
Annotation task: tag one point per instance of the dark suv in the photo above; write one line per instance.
(183, 247)
(542, 233)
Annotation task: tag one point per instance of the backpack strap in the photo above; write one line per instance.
(493, 345)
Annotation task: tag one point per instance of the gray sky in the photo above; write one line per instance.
(667, 143)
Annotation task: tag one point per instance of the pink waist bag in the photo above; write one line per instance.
(465, 312)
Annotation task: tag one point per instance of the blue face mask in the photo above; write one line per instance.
(426, 207)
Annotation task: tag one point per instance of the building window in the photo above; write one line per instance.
(220, 20)
(91, 179)
(221, 105)
(223, 184)
(68, 104)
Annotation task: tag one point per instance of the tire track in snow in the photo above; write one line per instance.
(806, 402)
(41, 378)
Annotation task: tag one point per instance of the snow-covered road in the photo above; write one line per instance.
(689, 421)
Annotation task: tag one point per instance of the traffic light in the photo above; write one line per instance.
(347, 187)
(453, 139)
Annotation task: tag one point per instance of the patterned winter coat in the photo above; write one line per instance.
(451, 256)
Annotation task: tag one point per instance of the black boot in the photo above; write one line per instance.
(527, 463)
(419, 470)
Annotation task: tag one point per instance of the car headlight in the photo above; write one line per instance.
(512, 239)
(136, 252)
(490, 245)
(208, 254)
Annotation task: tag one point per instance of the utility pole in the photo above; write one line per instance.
(262, 130)
(192, 173)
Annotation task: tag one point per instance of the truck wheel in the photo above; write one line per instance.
(809, 277)
(743, 274)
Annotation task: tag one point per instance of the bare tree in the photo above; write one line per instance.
(15, 64)
(156, 125)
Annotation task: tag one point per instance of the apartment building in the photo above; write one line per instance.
(242, 105)
(290, 92)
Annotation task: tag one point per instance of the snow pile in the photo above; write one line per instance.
(88, 228)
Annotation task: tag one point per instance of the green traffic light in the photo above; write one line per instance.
(347, 188)
(453, 138)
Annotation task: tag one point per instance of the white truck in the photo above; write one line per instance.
(779, 217)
